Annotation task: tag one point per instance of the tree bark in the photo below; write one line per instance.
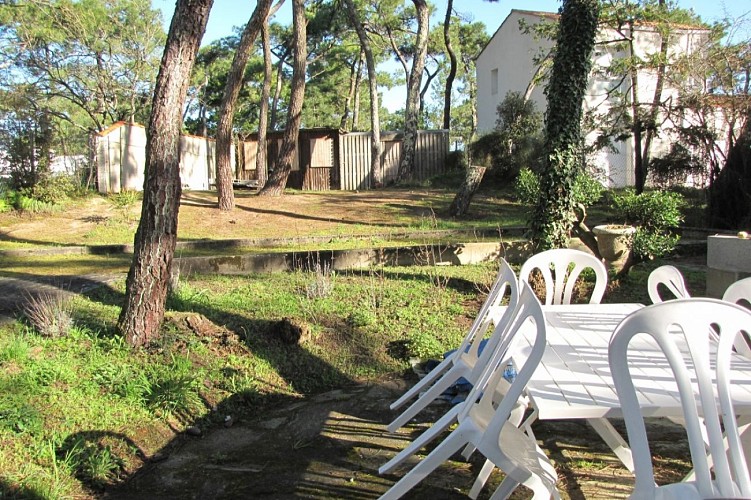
(225, 191)
(278, 176)
(156, 237)
(637, 126)
(375, 121)
(412, 108)
(263, 112)
(452, 66)
(656, 101)
(463, 198)
(350, 95)
(277, 90)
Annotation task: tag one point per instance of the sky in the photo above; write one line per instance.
(227, 14)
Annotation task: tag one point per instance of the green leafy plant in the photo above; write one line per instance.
(423, 345)
(655, 214)
(586, 190)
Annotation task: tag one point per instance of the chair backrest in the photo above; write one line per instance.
(506, 284)
(560, 269)
(739, 292)
(680, 328)
(483, 392)
(670, 278)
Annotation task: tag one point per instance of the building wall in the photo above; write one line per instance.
(506, 64)
(510, 53)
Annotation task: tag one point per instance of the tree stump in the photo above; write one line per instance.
(463, 198)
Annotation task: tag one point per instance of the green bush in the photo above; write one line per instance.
(655, 214)
(52, 189)
(587, 189)
(527, 187)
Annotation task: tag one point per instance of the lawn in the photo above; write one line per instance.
(81, 411)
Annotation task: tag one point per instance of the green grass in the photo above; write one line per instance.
(75, 410)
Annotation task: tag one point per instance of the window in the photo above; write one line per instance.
(494, 81)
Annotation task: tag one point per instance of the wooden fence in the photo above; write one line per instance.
(330, 159)
(354, 157)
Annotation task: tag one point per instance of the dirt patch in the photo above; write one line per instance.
(331, 445)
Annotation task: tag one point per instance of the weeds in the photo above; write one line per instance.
(49, 314)
(323, 282)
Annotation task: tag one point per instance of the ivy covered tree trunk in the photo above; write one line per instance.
(553, 216)
(278, 176)
(156, 237)
(412, 109)
(224, 188)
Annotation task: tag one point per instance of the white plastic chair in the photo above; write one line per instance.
(672, 324)
(567, 264)
(466, 361)
(740, 293)
(484, 421)
(670, 278)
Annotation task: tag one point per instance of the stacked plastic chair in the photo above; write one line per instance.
(484, 420)
(680, 329)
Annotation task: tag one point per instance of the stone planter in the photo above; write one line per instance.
(614, 243)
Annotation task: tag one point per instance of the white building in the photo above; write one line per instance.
(507, 63)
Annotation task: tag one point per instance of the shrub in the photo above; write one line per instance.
(527, 187)
(49, 314)
(587, 189)
(126, 198)
(677, 165)
(53, 189)
(655, 213)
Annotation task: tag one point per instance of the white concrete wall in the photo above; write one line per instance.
(510, 52)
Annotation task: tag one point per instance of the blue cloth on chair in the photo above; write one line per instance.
(457, 393)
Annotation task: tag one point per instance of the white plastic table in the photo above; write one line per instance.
(573, 379)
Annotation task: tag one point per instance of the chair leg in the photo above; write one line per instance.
(422, 440)
(505, 489)
(421, 384)
(431, 394)
(481, 479)
(440, 454)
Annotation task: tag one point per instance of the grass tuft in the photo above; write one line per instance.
(49, 314)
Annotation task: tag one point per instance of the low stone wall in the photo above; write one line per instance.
(339, 260)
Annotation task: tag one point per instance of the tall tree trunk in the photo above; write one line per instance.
(225, 191)
(412, 108)
(356, 104)
(263, 113)
(273, 122)
(350, 94)
(552, 218)
(651, 121)
(425, 87)
(156, 237)
(637, 125)
(278, 176)
(375, 121)
(452, 67)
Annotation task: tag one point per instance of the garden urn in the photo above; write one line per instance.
(614, 243)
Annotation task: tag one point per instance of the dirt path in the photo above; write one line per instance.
(330, 446)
